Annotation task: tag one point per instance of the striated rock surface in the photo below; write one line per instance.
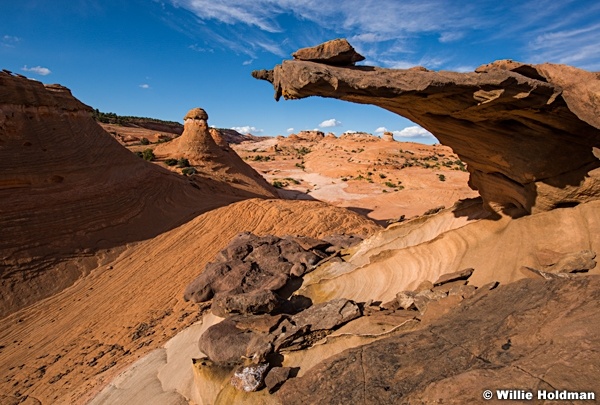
(491, 341)
(68, 189)
(529, 133)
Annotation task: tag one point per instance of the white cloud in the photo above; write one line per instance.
(391, 31)
(290, 130)
(144, 86)
(9, 41)
(571, 46)
(413, 132)
(247, 62)
(247, 129)
(446, 37)
(38, 70)
(330, 123)
(381, 130)
(350, 131)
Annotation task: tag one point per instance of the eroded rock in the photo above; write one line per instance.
(526, 132)
(249, 378)
(336, 52)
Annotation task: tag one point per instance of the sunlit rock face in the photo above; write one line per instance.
(528, 133)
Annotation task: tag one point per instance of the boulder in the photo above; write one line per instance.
(249, 378)
(276, 377)
(337, 52)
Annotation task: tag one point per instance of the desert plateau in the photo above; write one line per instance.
(146, 261)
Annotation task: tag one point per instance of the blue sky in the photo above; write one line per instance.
(161, 58)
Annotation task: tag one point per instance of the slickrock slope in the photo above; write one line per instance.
(526, 132)
(404, 255)
(63, 349)
(67, 189)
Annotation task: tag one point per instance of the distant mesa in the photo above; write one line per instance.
(529, 134)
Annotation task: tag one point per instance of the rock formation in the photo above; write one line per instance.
(209, 153)
(492, 341)
(388, 136)
(528, 133)
(67, 189)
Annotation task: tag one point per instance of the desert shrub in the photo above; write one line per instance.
(278, 184)
(292, 180)
(189, 171)
(148, 154)
(171, 162)
(382, 176)
(183, 162)
(390, 184)
(140, 154)
(145, 141)
(303, 150)
(300, 165)
(441, 177)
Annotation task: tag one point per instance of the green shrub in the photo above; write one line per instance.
(390, 184)
(189, 171)
(183, 162)
(171, 162)
(144, 141)
(148, 154)
(441, 177)
(382, 176)
(278, 184)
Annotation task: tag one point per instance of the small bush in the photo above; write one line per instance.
(189, 171)
(148, 154)
(300, 165)
(390, 184)
(292, 180)
(144, 141)
(183, 162)
(171, 162)
(303, 150)
(382, 176)
(278, 184)
(441, 177)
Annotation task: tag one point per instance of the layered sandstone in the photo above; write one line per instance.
(528, 133)
(71, 195)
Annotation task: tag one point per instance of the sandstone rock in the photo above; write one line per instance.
(406, 299)
(249, 378)
(388, 137)
(336, 52)
(464, 291)
(446, 287)
(224, 343)
(196, 114)
(459, 275)
(314, 323)
(424, 285)
(253, 302)
(276, 377)
(460, 354)
(423, 298)
(539, 122)
(574, 262)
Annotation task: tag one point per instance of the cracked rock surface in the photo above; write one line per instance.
(539, 334)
